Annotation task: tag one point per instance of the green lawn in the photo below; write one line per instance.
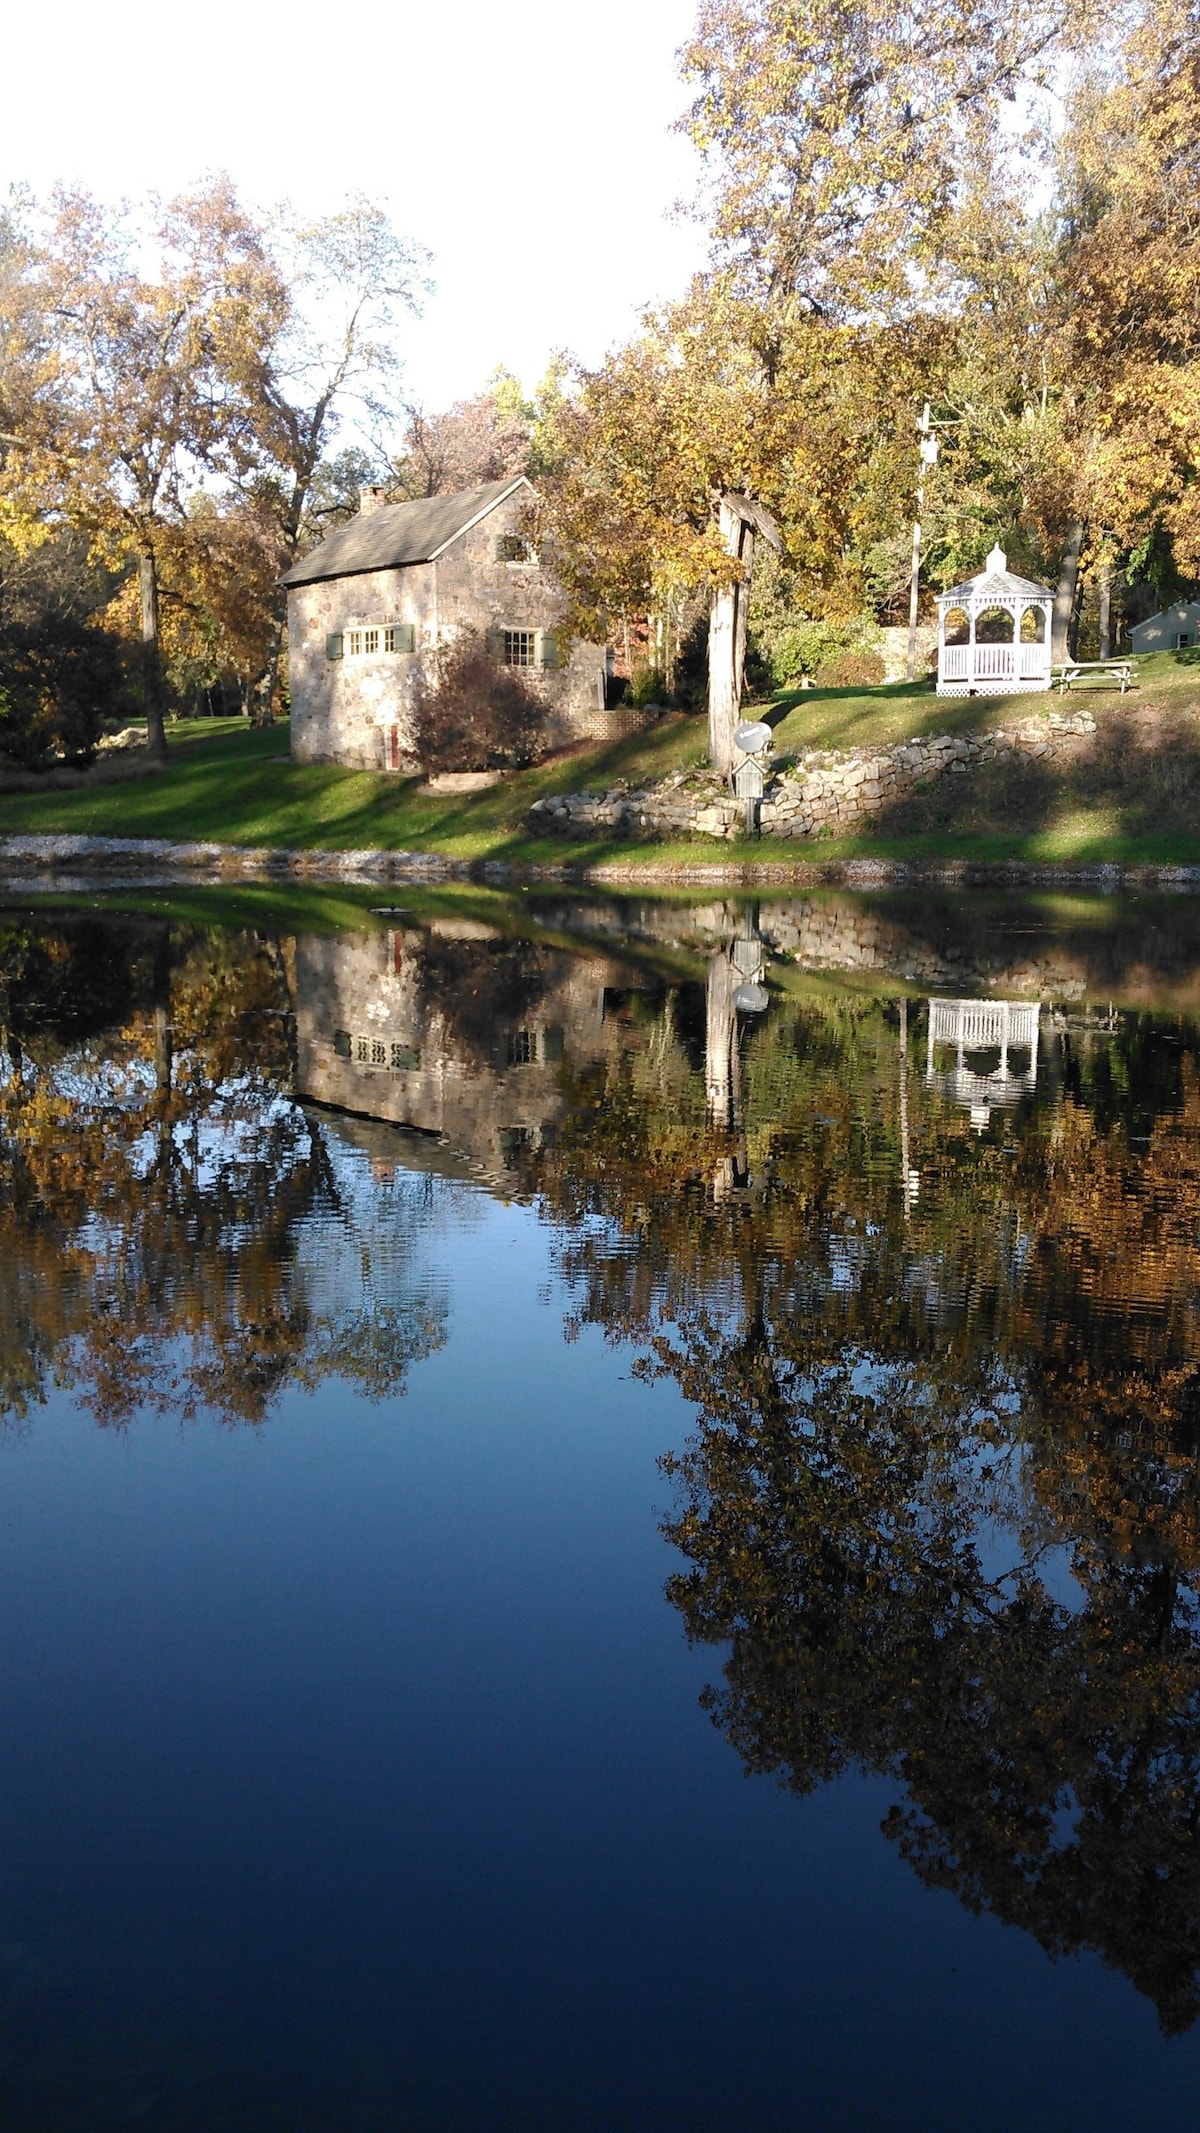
(1135, 797)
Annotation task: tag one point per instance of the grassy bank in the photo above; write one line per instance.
(1131, 795)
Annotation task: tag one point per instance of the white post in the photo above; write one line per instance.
(929, 452)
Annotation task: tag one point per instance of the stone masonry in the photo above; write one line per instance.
(357, 708)
(819, 790)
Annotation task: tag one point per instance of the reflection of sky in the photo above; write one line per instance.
(361, 1757)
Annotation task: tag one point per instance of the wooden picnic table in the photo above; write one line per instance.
(1123, 671)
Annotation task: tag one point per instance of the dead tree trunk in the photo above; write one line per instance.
(152, 674)
(740, 520)
(727, 637)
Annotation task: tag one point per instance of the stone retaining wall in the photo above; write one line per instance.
(819, 790)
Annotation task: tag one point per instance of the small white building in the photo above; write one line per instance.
(994, 633)
(1171, 631)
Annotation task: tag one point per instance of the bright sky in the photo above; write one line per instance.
(527, 144)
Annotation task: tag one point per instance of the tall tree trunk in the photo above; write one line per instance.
(1105, 578)
(1062, 629)
(152, 674)
(727, 639)
(270, 684)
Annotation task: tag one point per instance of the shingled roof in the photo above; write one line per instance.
(400, 533)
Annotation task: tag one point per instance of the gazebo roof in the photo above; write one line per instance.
(995, 582)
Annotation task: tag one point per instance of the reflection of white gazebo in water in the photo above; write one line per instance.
(975, 1026)
(994, 633)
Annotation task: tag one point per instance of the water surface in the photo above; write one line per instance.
(599, 1517)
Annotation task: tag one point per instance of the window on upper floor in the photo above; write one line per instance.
(513, 548)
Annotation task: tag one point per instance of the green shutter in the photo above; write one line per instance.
(547, 649)
(495, 643)
(405, 637)
(333, 645)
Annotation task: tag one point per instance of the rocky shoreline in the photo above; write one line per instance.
(62, 861)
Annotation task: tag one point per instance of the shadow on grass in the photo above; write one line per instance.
(1126, 789)
(900, 711)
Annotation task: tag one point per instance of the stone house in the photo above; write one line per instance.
(368, 609)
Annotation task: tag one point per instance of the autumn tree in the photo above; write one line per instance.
(713, 421)
(155, 385)
(335, 360)
(832, 139)
(483, 439)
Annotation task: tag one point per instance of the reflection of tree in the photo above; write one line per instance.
(156, 1177)
(830, 1515)
(895, 1397)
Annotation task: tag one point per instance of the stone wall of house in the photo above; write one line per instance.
(821, 790)
(358, 709)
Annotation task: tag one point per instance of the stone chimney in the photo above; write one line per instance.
(372, 498)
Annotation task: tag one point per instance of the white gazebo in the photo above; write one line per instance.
(994, 633)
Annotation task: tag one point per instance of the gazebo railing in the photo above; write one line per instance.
(994, 662)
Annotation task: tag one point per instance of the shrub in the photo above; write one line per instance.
(852, 670)
(648, 685)
(474, 714)
(59, 680)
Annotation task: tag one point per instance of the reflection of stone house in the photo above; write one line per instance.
(370, 606)
(376, 1035)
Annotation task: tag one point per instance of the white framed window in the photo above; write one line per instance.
(370, 638)
(520, 648)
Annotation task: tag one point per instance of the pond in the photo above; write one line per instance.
(600, 1515)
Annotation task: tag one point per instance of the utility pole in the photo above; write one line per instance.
(929, 452)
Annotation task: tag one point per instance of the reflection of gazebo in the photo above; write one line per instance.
(979, 1027)
(994, 633)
